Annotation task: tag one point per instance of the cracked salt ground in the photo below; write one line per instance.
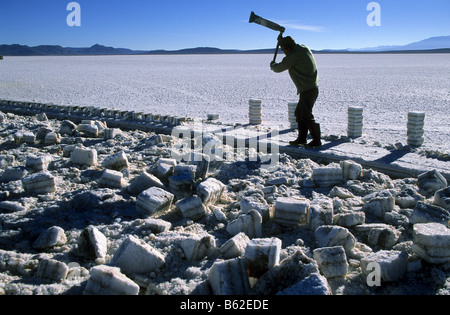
(115, 213)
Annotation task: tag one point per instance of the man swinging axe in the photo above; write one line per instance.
(300, 63)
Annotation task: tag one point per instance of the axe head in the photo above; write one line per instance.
(269, 24)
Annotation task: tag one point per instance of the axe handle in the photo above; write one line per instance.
(278, 47)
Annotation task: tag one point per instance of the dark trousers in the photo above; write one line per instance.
(303, 112)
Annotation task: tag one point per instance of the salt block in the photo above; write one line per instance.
(136, 256)
(327, 176)
(52, 269)
(39, 183)
(416, 115)
(117, 161)
(154, 199)
(350, 169)
(67, 128)
(164, 168)
(235, 246)
(53, 236)
(198, 246)
(11, 206)
(181, 183)
(291, 211)
(261, 254)
(431, 181)
(107, 280)
(256, 202)
(249, 223)
(331, 236)
(12, 174)
(229, 277)
(349, 219)
(111, 133)
(320, 212)
(83, 156)
(191, 207)
(379, 204)
(157, 225)
(431, 241)
(427, 213)
(213, 116)
(332, 261)
(90, 130)
(111, 178)
(355, 110)
(38, 163)
(52, 138)
(144, 182)
(392, 264)
(442, 198)
(92, 243)
(210, 190)
(384, 237)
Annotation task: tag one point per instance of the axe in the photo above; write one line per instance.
(269, 24)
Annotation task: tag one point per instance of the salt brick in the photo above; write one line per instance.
(327, 176)
(392, 264)
(117, 161)
(229, 277)
(191, 207)
(210, 190)
(291, 211)
(431, 241)
(442, 198)
(350, 170)
(39, 183)
(136, 256)
(249, 223)
(84, 156)
(332, 261)
(154, 199)
(111, 178)
(107, 280)
(235, 246)
(143, 182)
(52, 269)
(261, 254)
(198, 246)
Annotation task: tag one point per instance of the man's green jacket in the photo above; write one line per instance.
(302, 68)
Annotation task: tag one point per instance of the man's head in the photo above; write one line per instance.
(287, 43)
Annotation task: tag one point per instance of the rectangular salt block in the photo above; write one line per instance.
(291, 211)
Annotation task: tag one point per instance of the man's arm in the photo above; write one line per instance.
(284, 65)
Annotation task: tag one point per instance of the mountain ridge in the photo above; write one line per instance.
(440, 44)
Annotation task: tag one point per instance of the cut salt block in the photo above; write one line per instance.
(111, 178)
(117, 161)
(229, 277)
(332, 261)
(52, 269)
(136, 256)
(235, 246)
(431, 241)
(392, 264)
(198, 246)
(249, 223)
(107, 280)
(327, 176)
(261, 254)
(154, 199)
(291, 211)
(39, 183)
(191, 208)
(143, 182)
(210, 190)
(83, 156)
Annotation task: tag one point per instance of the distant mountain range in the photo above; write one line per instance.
(431, 45)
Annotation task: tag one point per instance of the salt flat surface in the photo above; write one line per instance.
(386, 86)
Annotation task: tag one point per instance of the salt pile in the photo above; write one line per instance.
(116, 213)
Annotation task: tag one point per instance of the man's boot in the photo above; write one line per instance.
(302, 134)
(315, 133)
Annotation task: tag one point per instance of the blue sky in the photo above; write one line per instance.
(176, 24)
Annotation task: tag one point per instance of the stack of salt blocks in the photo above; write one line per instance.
(255, 111)
(291, 110)
(355, 122)
(416, 123)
